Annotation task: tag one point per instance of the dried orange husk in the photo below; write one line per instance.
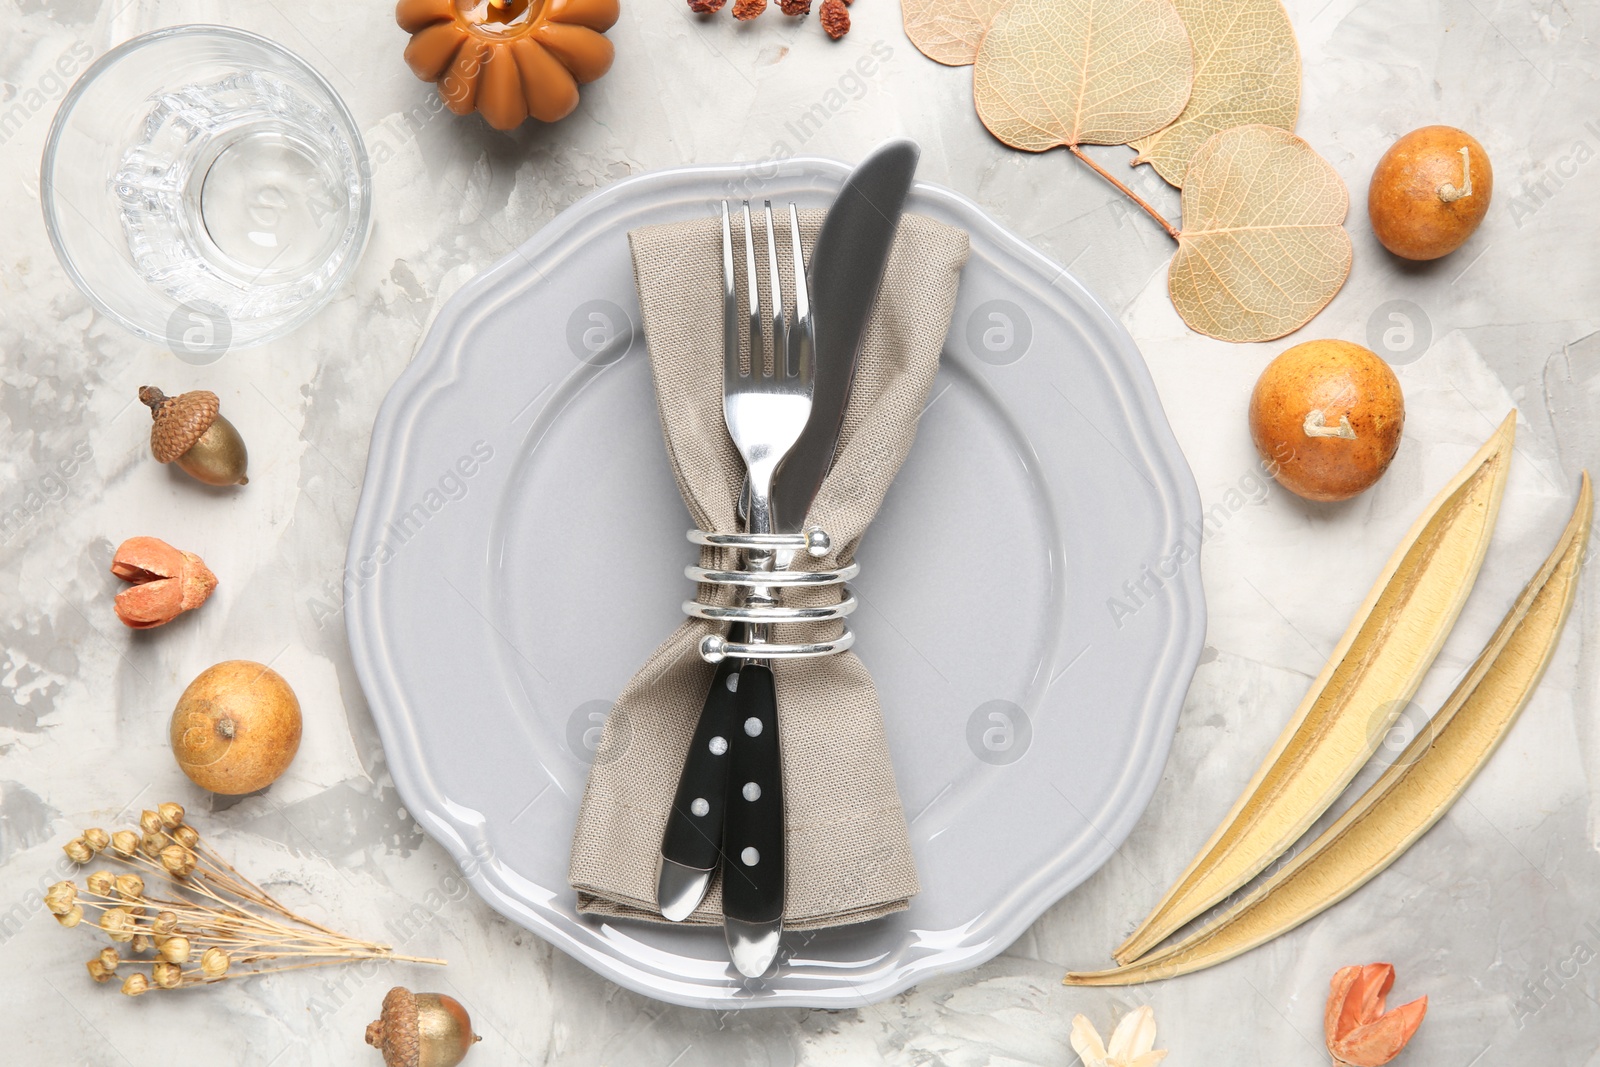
(1417, 789)
(948, 31)
(1074, 72)
(1247, 71)
(1263, 246)
(1374, 670)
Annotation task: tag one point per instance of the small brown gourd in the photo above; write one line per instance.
(1429, 192)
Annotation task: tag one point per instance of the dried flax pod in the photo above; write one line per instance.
(1416, 790)
(1376, 668)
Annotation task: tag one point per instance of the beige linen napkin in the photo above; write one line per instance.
(849, 856)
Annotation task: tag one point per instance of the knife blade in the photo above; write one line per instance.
(843, 276)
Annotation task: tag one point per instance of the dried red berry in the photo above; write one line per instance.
(745, 10)
(835, 18)
(795, 7)
(706, 7)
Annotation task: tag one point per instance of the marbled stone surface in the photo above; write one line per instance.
(1495, 914)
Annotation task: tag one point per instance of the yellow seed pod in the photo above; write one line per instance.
(175, 949)
(178, 861)
(164, 923)
(136, 984)
(118, 925)
(97, 839)
(130, 886)
(109, 958)
(214, 962)
(187, 836)
(78, 850)
(73, 916)
(167, 975)
(150, 822)
(99, 971)
(125, 843)
(101, 883)
(171, 815)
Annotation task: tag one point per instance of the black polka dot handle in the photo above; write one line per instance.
(753, 831)
(693, 835)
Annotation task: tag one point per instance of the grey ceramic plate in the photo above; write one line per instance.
(1030, 690)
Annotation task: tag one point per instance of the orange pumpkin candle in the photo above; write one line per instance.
(508, 59)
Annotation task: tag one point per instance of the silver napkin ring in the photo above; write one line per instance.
(715, 647)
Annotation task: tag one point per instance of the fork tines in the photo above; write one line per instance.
(783, 350)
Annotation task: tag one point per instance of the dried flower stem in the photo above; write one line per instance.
(1172, 231)
(200, 911)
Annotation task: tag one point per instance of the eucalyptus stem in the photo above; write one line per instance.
(1172, 231)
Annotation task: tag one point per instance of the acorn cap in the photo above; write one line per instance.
(396, 1033)
(179, 420)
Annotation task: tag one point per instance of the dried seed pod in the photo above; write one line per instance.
(152, 844)
(130, 886)
(187, 836)
(421, 1030)
(178, 861)
(142, 943)
(98, 970)
(78, 850)
(150, 822)
(171, 814)
(164, 923)
(175, 949)
(167, 975)
(72, 917)
(166, 582)
(125, 843)
(214, 962)
(109, 958)
(190, 431)
(136, 984)
(101, 883)
(118, 924)
(60, 897)
(97, 839)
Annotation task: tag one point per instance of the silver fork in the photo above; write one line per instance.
(766, 409)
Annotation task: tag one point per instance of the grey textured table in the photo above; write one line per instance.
(1494, 915)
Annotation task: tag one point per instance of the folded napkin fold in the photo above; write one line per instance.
(849, 855)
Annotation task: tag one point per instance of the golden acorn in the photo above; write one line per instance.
(421, 1030)
(190, 431)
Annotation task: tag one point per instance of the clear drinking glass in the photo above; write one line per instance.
(206, 188)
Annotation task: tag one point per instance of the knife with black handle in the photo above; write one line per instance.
(845, 270)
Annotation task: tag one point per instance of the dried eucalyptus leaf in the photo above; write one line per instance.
(1072, 72)
(948, 30)
(1263, 247)
(1247, 71)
